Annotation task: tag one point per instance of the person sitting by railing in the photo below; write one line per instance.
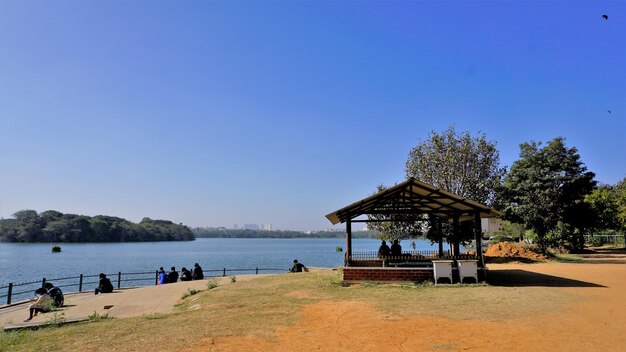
(197, 272)
(104, 284)
(42, 304)
(396, 249)
(162, 277)
(185, 275)
(298, 267)
(172, 276)
(383, 250)
(56, 294)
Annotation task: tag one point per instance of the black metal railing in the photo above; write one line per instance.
(81, 283)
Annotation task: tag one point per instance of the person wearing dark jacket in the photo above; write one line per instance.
(104, 284)
(172, 276)
(197, 272)
(383, 250)
(185, 275)
(298, 267)
(396, 249)
(56, 294)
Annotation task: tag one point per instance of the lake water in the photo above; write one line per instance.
(28, 262)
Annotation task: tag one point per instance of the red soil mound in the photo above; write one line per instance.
(512, 250)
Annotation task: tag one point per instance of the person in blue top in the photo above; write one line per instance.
(162, 277)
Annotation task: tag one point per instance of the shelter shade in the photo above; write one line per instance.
(414, 197)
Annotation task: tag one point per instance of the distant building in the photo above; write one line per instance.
(266, 227)
(250, 227)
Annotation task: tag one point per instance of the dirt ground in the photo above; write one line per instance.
(596, 321)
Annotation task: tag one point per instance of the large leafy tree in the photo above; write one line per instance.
(460, 163)
(603, 204)
(546, 187)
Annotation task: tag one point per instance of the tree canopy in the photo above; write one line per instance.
(54, 226)
(546, 187)
(458, 162)
(453, 161)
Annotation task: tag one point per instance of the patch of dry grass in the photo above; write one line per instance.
(259, 306)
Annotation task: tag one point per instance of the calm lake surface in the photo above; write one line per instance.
(29, 262)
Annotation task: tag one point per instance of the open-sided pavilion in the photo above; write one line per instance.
(409, 201)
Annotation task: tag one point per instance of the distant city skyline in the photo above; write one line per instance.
(216, 113)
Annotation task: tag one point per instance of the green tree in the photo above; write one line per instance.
(509, 231)
(546, 186)
(30, 226)
(458, 162)
(603, 203)
(619, 192)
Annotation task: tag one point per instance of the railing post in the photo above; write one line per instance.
(224, 274)
(43, 282)
(156, 280)
(80, 283)
(119, 279)
(10, 292)
(257, 271)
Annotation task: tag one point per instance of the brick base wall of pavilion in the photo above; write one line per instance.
(352, 274)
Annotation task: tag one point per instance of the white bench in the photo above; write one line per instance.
(442, 269)
(468, 268)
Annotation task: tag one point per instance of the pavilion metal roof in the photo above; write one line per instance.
(414, 197)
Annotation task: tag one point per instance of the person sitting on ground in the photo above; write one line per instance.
(172, 276)
(104, 284)
(396, 249)
(162, 277)
(42, 304)
(383, 250)
(185, 275)
(298, 267)
(55, 293)
(197, 272)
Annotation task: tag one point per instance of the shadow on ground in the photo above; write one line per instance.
(523, 278)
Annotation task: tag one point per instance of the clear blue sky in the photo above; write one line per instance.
(216, 113)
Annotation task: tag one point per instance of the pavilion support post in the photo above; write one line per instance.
(456, 229)
(478, 232)
(440, 234)
(348, 242)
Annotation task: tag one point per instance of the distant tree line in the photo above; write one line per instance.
(203, 232)
(54, 226)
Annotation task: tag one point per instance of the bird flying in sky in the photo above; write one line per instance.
(605, 17)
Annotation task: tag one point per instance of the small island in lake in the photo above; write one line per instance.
(53, 226)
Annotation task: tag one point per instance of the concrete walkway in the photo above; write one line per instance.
(122, 303)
